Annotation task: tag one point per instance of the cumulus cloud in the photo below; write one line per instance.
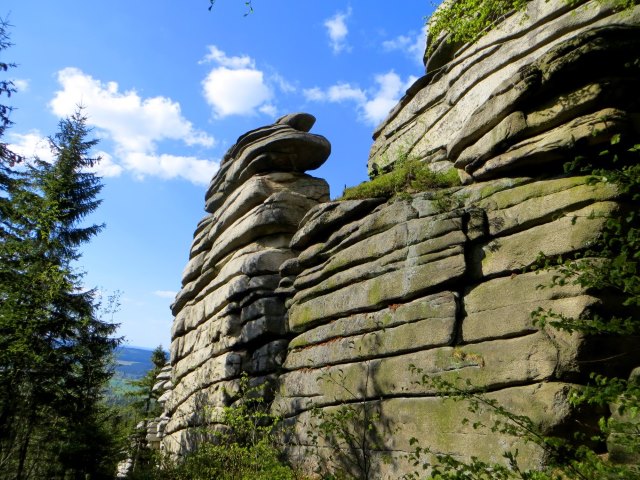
(389, 90)
(136, 125)
(236, 92)
(235, 86)
(133, 122)
(30, 145)
(171, 166)
(165, 294)
(337, 31)
(284, 85)
(218, 56)
(412, 44)
(34, 144)
(107, 167)
(372, 105)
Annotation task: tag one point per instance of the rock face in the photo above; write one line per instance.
(228, 318)
(527, 86)
(348, 304)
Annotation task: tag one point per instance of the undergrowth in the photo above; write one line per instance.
(243, 445)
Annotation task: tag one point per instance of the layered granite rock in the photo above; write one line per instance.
(442, 288)
(441, 283)
(516, 97)
(228, 318)
(349, 304)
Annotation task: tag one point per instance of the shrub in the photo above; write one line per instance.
(466, 21)
(409, 175)
(242, 445)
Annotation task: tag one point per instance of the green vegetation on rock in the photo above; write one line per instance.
(409, 175)
(467, 20)
(240, 443)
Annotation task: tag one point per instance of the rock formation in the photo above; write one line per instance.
(338, 303)
(228, 318)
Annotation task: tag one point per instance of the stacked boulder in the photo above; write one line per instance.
(162, 390)
(228, 318)
(438, 285)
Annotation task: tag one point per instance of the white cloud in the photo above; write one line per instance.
(337, 30)
(218, 56)
(401, 42)
(315, 94)
(344, 91)
(30, 145)
(390, 89)
(21, 84)
(165, 294)
(336, 94)
(374, 104)
(133, 122)
(106, 167)
(236, 87)
(170, 166)
(269, 110)
(135, 125)
(413, 45)
(283, 84)
(236, 92)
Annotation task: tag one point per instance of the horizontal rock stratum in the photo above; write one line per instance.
(333, 304)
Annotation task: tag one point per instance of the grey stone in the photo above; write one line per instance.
(502, 307)
(538, 202)
(493, 364)
(284, 149)
(268, 358)
(437, 307)
(511, 254)
(398, 285)
(590, 130)
(327, 216)
(438, 112)
(302, 122)
(386, 247)
(437, 425)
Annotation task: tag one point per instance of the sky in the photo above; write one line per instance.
(168, 86)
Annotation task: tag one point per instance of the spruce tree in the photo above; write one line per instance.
(55, 348)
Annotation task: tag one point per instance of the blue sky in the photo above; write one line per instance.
(168, 86)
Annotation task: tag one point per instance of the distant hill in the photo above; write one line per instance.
(132, 362)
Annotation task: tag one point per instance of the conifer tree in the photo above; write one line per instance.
(145, 406)
(55, 348)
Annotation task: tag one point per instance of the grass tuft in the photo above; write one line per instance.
(408, 176)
